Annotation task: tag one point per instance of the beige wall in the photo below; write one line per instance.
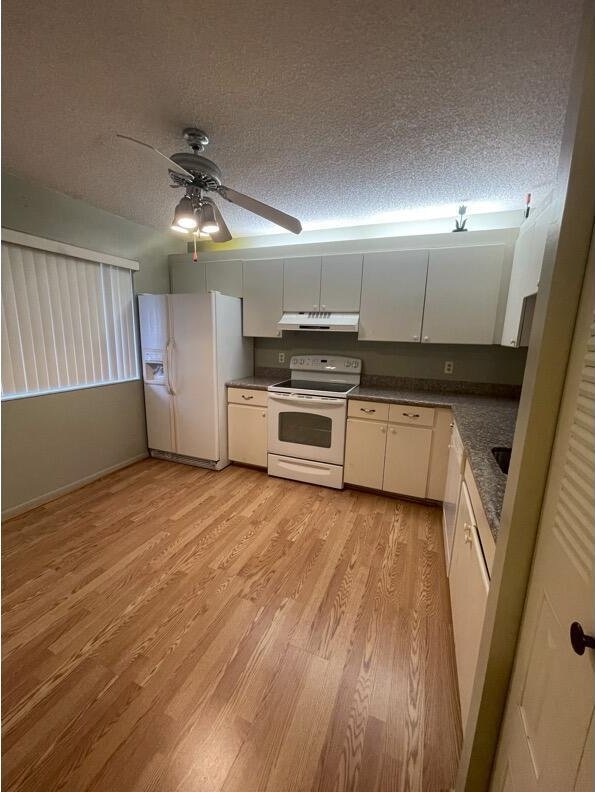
(426, 361)
(51, 442)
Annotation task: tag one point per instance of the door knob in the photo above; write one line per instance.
(579, 640)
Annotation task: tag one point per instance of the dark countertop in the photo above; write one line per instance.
(484, 422)
(256, 383)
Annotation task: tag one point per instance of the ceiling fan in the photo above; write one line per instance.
(199, 175)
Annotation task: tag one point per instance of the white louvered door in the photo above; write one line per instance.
(547, 728)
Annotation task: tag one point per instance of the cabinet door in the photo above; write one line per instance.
(301, 283)
(225, 277)
(186, 276)
(341, 282)
(469, 585)
(247, 434)
(407, 460)
(392, 301)
(439, 454)
(263, 297)
(517, 289)
(462, 294)
(365, 444)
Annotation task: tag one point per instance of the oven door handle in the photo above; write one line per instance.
(306, 399)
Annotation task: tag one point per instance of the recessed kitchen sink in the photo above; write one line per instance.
(502, 457)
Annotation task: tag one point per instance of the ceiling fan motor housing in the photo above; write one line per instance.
(206, 174)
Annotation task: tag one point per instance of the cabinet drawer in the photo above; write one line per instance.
(406, 414)
(377, 411)
(256, 398)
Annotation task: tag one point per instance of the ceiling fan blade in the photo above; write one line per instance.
(224, 234)
(257, 207)
(172, 165)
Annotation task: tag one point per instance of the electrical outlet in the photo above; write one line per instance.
(281, 357)
(449, 367)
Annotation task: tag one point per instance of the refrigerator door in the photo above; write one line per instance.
(193, 375)
(154, 330)
(159, 410)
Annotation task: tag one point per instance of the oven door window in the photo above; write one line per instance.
(306, 429)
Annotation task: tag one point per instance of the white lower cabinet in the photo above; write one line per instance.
(407, 460)
(469, 585)
(365, 445)
(247, 434)
(397, 448)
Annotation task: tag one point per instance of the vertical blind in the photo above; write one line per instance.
(66, 322)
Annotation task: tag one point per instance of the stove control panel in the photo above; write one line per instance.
(331, 363)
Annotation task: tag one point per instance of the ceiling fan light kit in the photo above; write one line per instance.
(184, 215)
(208, 221)
(198, 175)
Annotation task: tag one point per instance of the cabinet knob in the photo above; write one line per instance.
(426, 338)
(452, 424)
(264, 415)
(468, 536)
(512, 342)
(415, 337)
(579, 640)
(393, 431)
(383, 429)
(323, 306)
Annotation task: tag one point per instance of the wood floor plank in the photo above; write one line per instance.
(175, 629)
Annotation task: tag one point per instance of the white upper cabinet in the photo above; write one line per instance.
(392, 299)
(186, 276)
(462, 294)
(525, 275)
(341, 282)
(301, 283)
(263, 297)
(225, 277)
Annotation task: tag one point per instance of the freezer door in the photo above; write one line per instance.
(193, 375)
(159, 410)
(154, 331)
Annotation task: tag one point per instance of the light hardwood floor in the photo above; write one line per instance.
(170, 628)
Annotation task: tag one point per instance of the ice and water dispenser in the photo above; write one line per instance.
(154, 367)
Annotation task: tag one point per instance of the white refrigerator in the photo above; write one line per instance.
(191, 345)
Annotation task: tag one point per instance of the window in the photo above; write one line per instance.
(67, 321)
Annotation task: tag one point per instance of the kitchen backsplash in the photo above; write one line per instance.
(481, 364)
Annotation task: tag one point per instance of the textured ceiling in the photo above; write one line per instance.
(327, 109)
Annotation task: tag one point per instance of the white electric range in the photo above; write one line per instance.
(307, 416)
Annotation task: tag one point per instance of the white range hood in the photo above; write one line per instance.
(320, 320)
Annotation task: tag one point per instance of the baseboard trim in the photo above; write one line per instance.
(53, 494)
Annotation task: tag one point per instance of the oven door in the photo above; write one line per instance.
(307, 427)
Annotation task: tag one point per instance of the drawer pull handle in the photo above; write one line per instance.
(247, 397)
(411, 415)
(367, 410)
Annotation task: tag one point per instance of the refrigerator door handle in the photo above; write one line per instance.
(169, 358)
